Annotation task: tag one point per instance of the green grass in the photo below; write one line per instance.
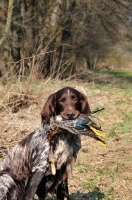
(124, 127)
(95, 194)
(116, 79)
(79, 164)
(115, 73)
(98, 170)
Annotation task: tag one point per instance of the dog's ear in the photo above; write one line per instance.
(49, 108)
(85, 108)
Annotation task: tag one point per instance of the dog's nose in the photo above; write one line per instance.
(70, 115)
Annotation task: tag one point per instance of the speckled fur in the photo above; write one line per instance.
(65, 148)
(23, 168)
(27, 165)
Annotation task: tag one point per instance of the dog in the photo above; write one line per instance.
(69, 103)
(23, 168)
(27, 169)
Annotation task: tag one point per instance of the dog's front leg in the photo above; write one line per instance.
(32, 185)
(62, 191)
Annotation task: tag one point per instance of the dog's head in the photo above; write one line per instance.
(67, 102)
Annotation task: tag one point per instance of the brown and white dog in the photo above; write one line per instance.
(26, 170)
(68, 103)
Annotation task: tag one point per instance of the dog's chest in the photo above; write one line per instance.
(66, 148)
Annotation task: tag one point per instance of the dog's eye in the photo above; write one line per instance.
(61, 100)
(74, 97)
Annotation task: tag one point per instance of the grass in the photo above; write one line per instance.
(100, 173)
(123, 127)
(115, 73)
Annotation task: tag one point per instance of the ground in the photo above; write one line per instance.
(100, 172)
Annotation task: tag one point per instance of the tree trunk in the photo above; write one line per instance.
(8, 22)
(52, 38)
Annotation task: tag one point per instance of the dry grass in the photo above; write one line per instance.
(99, 173)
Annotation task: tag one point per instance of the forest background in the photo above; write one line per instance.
(62, 37)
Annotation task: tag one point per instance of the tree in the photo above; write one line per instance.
(59, 37)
